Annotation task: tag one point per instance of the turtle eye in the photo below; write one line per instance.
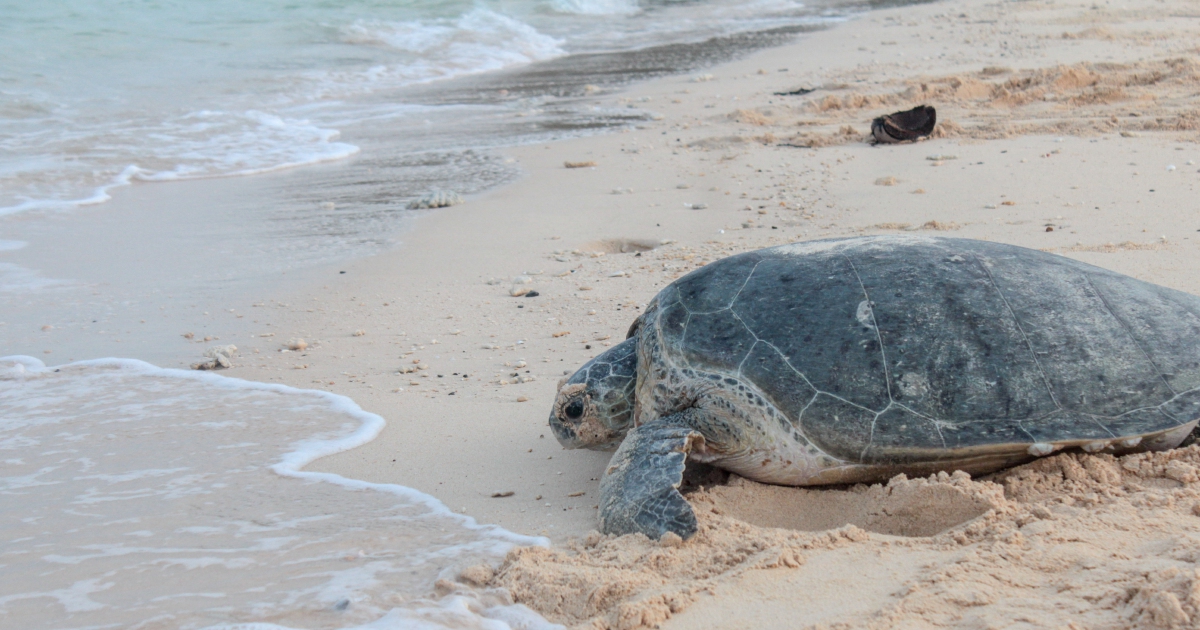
(575, 409)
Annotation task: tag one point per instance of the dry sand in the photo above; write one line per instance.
(1066, 126)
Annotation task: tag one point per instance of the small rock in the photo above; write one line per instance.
(532, 294)
(359, 333)
(587, 164)
(518, 291)
(561, 333)
(522, 399)
(188, 335)
(1049, 228)
(577, 493)
(887, 181)
(502, 494)
(47, 328)
(297, 345)
(216, 357)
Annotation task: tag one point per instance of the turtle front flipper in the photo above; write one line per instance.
(640, 488)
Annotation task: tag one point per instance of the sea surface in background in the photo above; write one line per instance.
(138, 497)
(335, 113)
(95, 95)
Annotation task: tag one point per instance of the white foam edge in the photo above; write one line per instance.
(344, 151)
(100, 194)
(452, 608)
(307, 451)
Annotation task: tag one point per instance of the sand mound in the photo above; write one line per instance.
(1090, 540)
(1000, 103)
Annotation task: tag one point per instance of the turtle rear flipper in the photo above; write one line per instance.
(640, 488)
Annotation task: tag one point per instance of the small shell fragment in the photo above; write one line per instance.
(1131, 442)
(1094, 447)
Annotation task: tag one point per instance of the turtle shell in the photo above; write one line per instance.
(885, 350)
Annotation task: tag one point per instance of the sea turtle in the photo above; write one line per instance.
(853, 360)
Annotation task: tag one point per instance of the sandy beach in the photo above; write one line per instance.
(1065, 126)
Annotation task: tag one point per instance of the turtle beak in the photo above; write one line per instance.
(564, 432)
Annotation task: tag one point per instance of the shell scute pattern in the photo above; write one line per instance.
(890, 350)
(1070, 327)
(1184, 406)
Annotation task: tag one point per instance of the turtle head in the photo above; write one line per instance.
(594, 408)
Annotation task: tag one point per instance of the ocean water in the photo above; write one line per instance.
(95, 95)
(137, 497)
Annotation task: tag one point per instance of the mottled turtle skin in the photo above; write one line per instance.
(852, 360)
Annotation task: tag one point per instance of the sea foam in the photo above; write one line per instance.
(134, 495)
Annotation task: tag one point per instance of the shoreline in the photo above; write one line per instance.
(1021, 159)
(1037, 148)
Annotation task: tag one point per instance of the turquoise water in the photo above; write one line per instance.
(95, 94)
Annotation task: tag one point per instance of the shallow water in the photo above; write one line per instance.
(94, 96)
(137, 497)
